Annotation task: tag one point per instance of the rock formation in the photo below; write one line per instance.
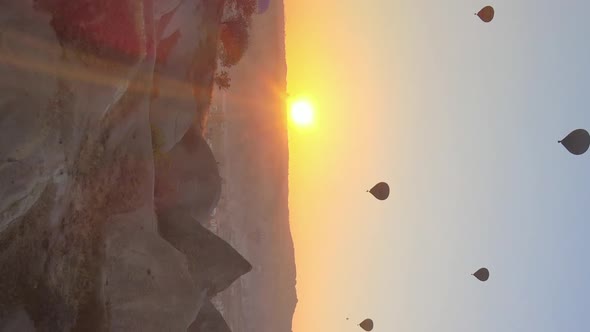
(81, 106)
(209, 320)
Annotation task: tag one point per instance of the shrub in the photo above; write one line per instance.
(223, 80)
(235, 39)
(246, 7)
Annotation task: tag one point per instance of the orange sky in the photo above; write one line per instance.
(323, 67)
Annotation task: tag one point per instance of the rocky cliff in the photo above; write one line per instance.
(100, 103)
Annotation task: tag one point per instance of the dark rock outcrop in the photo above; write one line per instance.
(187, 178)
(19, 321)
(209, 320)
(187, 188)
(214, 264)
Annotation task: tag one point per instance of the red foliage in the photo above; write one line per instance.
(234, 36)
(115, 25)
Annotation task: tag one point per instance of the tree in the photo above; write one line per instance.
(223, 80)
(246, 7)
(235, 39)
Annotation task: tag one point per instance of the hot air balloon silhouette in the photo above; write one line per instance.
(380, 191)
(482, 274)
(576, 142)
(486, 14)
(367, 324)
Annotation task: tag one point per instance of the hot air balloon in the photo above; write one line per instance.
(380, 191)
(482, 274)
(367, 324)
(486, 14)
(576, 142)
(263, 6)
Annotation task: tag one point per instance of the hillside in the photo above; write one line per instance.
(255, 169)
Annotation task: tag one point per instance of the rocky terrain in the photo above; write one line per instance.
(105, 178)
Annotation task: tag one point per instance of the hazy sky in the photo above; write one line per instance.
(462, 118)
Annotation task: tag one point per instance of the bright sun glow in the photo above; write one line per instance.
(302, 112)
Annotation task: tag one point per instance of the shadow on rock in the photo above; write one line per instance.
(188, 188)
(187, 177)
(213, 263)
(209, 320)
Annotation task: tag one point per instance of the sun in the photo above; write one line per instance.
(302, 112)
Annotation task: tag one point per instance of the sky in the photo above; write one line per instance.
(462, 118)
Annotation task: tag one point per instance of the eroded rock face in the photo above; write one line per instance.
(18, 321)
(147, 282)
(173, 108)
(29, 149)
(80, 245)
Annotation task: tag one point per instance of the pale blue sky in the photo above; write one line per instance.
(485, 182)
(467, 116)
